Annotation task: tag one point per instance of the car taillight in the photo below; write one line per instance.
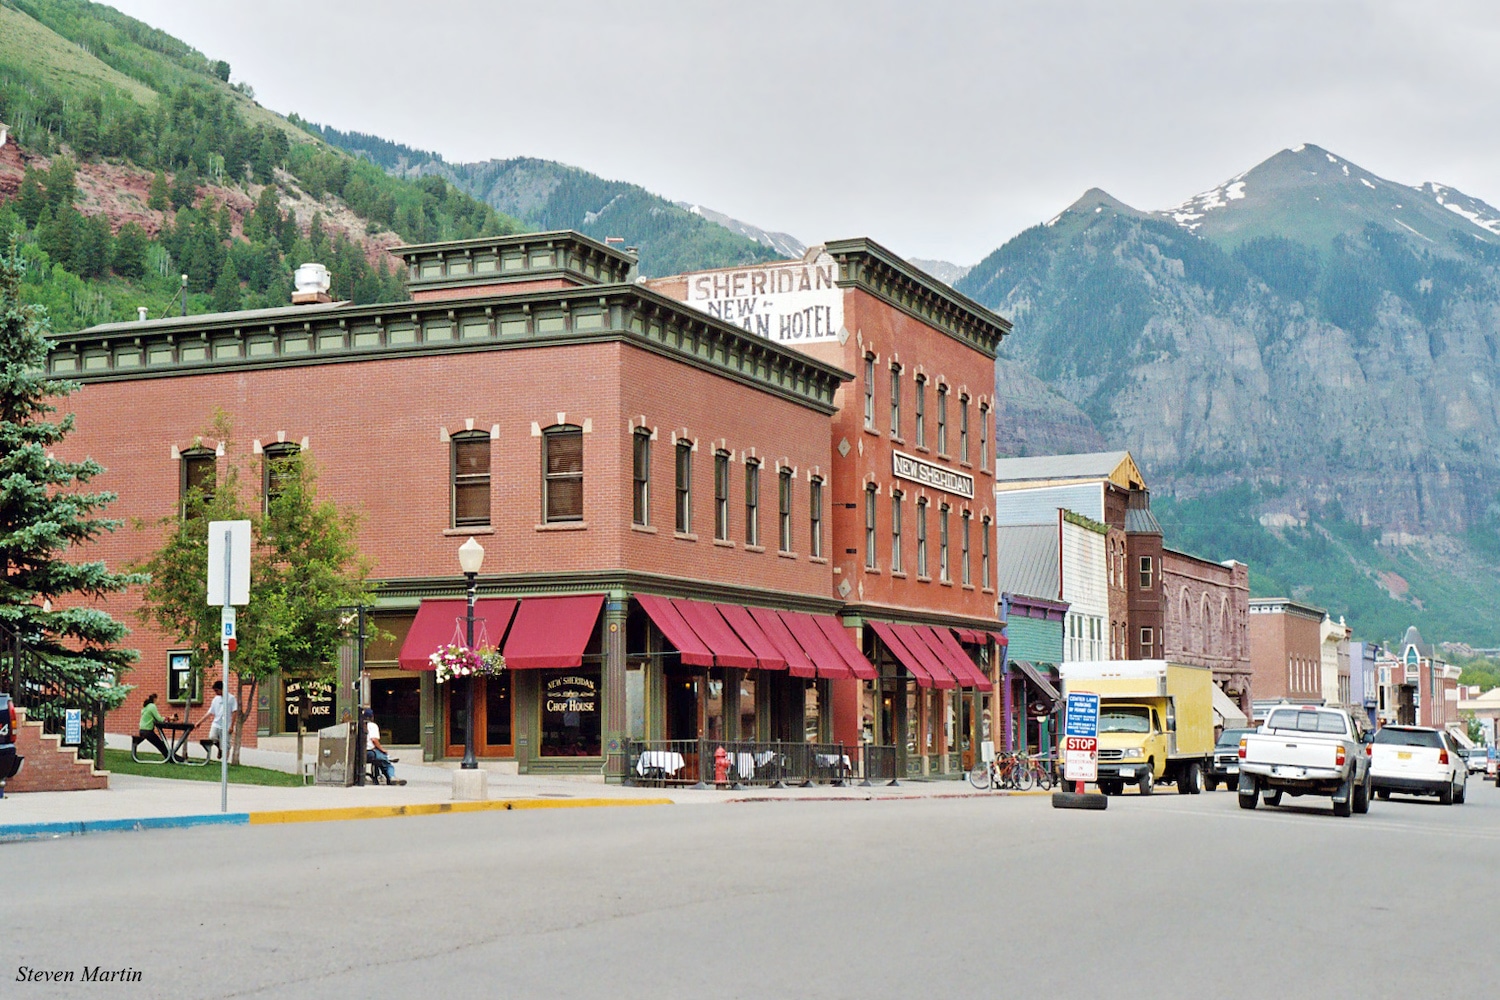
(1369, 750)
(1442, 756)
(1340, 757)
(1242, 748)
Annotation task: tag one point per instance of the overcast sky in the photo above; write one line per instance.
(938, 129)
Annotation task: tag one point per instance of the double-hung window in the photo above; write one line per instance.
(922, 537)
(895, 400)
(721, 496)
(199, 479)
(640, 475)
(471, 480)
(963, 428)
(943, 512)
(1145, 572)
(784, 509)
(752, 502)
(684, 487)
(942, 419)
(897, 565)
(277, 469)
(815, 522)
(984, 553)
(562, 474)
(870, 392)
(984, 435)
(963, 568)
(871, 561)
(921, 411)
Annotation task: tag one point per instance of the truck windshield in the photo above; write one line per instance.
(1125, 719)
(1307, 721)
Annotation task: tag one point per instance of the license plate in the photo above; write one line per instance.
(1283, 771)
(1403, 755)
(1127, 772)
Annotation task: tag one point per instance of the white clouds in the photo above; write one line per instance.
(939, 130)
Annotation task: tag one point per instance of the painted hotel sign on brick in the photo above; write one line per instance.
(791, 302)
(905, 466)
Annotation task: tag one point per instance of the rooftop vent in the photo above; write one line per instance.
(312, 283)
(142, 314)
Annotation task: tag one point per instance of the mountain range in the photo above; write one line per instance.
(1308, 350)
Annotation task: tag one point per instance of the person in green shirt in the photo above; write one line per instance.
(151, 717)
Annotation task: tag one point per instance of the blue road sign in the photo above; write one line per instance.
(1083, 715)
(72, 727)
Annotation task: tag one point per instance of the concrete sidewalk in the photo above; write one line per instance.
(133, 801)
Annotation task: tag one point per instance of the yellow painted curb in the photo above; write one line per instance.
(434, 808)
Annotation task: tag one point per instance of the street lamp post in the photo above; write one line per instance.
(470, 558)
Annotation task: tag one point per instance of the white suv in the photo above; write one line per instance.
(1417, 760)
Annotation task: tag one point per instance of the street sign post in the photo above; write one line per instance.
(228, 585)
(1081, 739)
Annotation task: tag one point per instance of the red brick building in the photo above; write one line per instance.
(1286, 652)
(669, 503)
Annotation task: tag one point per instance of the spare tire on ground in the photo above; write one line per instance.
(1075, 800)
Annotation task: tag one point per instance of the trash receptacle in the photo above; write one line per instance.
(333, 767)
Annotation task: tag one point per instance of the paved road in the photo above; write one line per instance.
(1161, 897)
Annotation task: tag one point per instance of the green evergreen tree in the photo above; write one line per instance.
(31, 199)
(185, 187)
(129, 256)
(160, 195)
(227, 289)
(62, 183)
(46, 514)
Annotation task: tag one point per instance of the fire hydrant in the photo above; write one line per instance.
(721, 766)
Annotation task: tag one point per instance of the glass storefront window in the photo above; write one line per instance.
(748, 730)
(812, 716)
(570, 713)
(713, 711)
(397, 703)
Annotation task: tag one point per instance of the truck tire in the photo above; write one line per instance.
(1362, 798)
(1250, 799)
(1211, 784)
(1463, 793)
(1343, 808)
(1148, 781)
(1273, 797)
(1072, 800)
(1195, 779)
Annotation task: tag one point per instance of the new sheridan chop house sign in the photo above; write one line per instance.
(796, 301)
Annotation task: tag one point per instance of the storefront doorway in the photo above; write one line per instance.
(397, 704)
(494, 717)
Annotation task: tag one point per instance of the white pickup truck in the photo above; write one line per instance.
(1305, 750)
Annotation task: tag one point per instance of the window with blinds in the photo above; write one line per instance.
(562, 486)
(471, 480)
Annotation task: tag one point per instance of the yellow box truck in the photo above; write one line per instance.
(1156, 721)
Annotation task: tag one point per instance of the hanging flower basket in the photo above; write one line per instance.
(454, 661)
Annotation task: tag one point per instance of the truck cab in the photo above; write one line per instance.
(1133, 743)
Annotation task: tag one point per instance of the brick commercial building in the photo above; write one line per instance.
(1286, 652)
(692, 529)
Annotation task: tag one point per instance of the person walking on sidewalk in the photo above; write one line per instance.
(151, 717)
(375, 753)
(218, 710)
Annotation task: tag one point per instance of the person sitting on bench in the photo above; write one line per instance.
(375, 753)
(151, 717)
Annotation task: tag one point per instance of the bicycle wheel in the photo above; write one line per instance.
(1023, 778)
(979, 776)
(1043, 778)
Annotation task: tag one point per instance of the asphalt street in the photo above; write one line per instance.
(1162, 897)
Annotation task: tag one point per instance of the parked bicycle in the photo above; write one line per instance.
(1015, 771)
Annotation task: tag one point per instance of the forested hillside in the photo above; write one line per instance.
(131, 159)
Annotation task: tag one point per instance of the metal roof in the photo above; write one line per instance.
(1026, 560)
(246, 316)
(1140, 520)
(1094, 465)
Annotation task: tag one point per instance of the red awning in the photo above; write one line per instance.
(799, 661)
(973, 637)
(768, 655)
(441, 621)
(715, 633)
(1000, 638)
(551, 632)
(692, 650)
(916, 644)
(838, 637)
(820, 651)
(917, 668)
(958, 661)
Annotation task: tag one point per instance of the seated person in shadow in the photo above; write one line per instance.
(151, 718)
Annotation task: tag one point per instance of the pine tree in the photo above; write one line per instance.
(31, 200)
(227, 289)
(45, 512)
(129, 257)
(159, 197)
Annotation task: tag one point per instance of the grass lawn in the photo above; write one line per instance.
(119, 762)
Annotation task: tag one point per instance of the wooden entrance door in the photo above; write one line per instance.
(494, 715)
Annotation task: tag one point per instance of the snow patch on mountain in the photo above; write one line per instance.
(1189, 215)
(1460, 204)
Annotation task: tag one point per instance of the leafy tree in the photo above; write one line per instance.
(160, 195)
(45, 512)
(305, 569)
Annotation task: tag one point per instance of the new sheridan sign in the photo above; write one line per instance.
(792, 302)
(905, 466)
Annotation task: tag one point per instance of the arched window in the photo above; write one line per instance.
(1205, 621)
(470, 479)
(562, 473)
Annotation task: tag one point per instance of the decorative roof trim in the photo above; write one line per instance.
(870, 267)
